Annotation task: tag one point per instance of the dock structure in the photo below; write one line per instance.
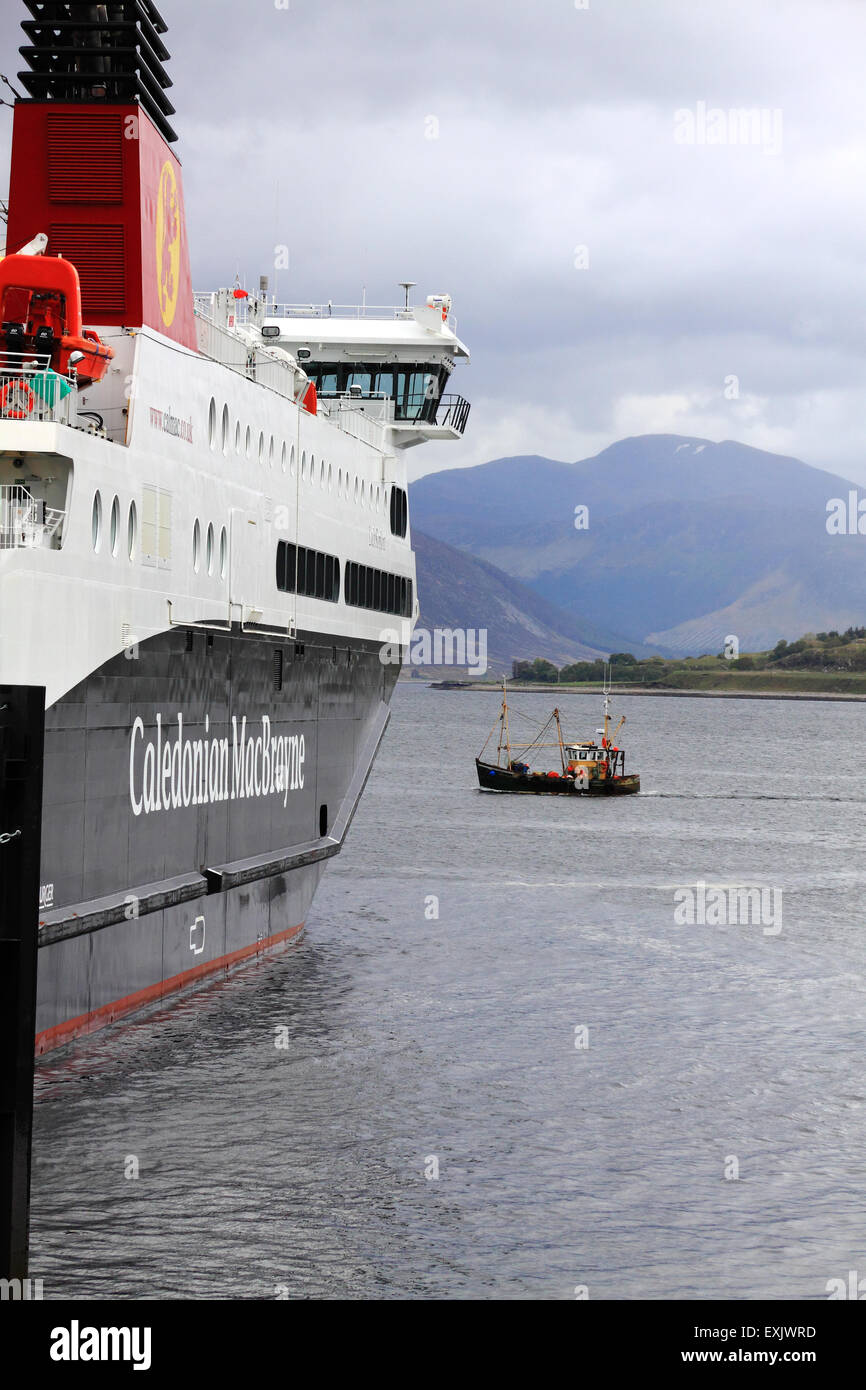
(22, 724)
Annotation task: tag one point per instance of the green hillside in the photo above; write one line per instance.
(819, 663)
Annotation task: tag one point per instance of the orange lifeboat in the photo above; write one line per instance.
(40, 313)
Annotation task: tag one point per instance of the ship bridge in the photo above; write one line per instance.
(392, 363)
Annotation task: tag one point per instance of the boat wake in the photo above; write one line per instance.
(750, 796)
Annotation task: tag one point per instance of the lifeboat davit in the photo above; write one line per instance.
(40, 313)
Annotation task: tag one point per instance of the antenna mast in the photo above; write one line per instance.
(606, 692)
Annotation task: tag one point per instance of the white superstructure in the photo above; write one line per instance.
(168, 485)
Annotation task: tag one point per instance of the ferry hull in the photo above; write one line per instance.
(194, 790)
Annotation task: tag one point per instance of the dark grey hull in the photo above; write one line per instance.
(179, 839)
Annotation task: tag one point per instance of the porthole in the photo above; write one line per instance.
(238, 437)
(114, 525)
(304, 464)
(209, 548)
(330, 477)
(363, 494)
(283, 458)
(248, 443)
(196, 545)
(224, 548)
(271, 453)
(262, 447)
(292, 461)
(339, 482)
(322, 474)
(225, 430)
(132, 530)
(211, 423)
(356, 488)
(312, 469)
(96, 521)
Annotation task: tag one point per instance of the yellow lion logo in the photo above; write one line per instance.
(167, 243)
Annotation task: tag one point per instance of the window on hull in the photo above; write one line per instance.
(399, 511)
(377, 590)
(308, 572)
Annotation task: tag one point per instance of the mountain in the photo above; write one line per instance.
(460, 593)
(687, 541)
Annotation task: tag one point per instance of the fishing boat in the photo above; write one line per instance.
(587, 768)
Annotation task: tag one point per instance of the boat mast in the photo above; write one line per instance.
(503, 719)
(559, 731)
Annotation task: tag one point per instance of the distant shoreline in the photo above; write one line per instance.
(528, 689)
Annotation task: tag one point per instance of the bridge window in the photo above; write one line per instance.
(384, 383)
(415, 388)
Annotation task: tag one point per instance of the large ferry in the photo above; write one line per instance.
(205, 551)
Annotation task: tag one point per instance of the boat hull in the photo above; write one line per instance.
(499, 779)
(193, 794)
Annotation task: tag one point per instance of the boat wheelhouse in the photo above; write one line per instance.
(390, 364)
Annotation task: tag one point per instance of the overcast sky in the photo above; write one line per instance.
(554, 127)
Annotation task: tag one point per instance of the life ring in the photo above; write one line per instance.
(26, 399)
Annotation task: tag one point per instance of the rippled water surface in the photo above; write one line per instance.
(417, 1040)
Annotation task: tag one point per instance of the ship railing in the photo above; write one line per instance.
(346, 311)
(27, 522)
(377, 404)
(444, 412)
(243, 312)
(30, 390)
(257, 307)
(365, 418)
(452, 412)
(224, 346)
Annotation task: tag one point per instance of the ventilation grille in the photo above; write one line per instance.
(85, 158)
(98, 255)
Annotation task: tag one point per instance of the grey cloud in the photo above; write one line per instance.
(556, 129)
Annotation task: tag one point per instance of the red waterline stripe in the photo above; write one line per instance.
(100, 1018)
